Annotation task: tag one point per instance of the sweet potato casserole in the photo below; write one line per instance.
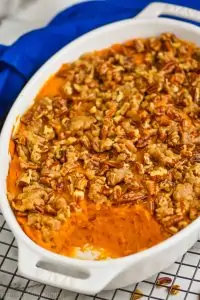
(108, 156)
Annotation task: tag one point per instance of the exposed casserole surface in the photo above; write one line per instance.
(108, 155)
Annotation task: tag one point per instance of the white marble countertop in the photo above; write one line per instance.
(34, 14)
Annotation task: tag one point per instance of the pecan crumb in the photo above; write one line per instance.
(174, 289)
(136, 295)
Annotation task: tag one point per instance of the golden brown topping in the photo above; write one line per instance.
(123, 127)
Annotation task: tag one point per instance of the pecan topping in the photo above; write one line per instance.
(121, 128)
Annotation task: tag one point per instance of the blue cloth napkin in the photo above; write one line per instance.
(20, 61)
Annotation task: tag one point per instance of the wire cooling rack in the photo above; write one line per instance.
(185, 272)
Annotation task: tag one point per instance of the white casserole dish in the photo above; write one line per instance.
(66, 272)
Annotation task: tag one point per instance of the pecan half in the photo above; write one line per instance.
(163, 281)
(132, 197)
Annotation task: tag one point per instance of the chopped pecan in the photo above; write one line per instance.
(114, 164)
(106, 144)
(169, 67)
(132, 197)
(197, 95)
(136, 295)
(28, 177)
(117, 191)
(174, 289)
(138, 44)
(195, 157)
(81, 122)
(115, 176)
(151, 187)
(183, 192)
(32, 198)
(78, 195)
(143, 142)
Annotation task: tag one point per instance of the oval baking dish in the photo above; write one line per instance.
(93, 276)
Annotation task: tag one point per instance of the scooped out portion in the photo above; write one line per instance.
(106, 162)
(107, 232)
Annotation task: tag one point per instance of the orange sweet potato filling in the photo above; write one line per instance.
(120, 231)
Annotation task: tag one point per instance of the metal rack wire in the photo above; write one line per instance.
(185, 272)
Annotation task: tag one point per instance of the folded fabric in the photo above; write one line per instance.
(20, 61)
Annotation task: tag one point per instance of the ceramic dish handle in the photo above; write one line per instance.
(156, 9)
(97, 279)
